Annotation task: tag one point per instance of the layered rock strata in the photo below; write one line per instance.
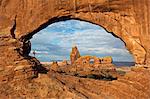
(20, 19)
(126, 19)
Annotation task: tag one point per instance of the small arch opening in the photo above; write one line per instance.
(91, 61)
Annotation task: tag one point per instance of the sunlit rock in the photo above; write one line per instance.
(106, 60)
(74, 55)
(21, 19)
(64, 63)
(54, 66)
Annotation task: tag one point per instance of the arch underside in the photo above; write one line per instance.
(21, 19)
(112, 26)
(131, 44)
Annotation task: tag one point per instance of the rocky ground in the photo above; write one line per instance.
(79, 79)
(57, 85)
(85, 77)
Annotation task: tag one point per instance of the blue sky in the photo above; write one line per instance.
(55, 42)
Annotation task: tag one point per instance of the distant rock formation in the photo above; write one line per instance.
(87, 65)
(64, 63)
(106, 60)
(74, 55)
(93, 60)
(54, 66)
(76, 59)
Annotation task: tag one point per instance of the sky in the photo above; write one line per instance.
(56, 41)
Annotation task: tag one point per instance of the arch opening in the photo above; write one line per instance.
(60, 32)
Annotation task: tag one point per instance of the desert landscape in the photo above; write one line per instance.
(82, 77)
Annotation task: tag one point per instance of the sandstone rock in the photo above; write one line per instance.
(74, 55)
(89, 66)
(56, 85)
(95, 89)
(93, 60)
(87, 60)
(96, 60)
(83, 60)
(54, 66)
(64, 63)
(106, 60)
(125, 19)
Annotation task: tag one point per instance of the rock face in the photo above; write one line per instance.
(20, 19)
(54, 66)
(64, 63)
(116, 89)
(126, 19)
(93, 60)
(87, 66)
(74, 55)
(106, 60)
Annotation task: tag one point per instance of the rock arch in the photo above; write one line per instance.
(21, 19)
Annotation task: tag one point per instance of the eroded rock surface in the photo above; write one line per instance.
(126, 19)
(21, 19)
(93, 60)
(89, 67)
(106, 60)
(74, 55)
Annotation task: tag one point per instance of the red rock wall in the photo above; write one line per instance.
(21, 19)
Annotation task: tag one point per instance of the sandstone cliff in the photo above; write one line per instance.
(20, 19)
